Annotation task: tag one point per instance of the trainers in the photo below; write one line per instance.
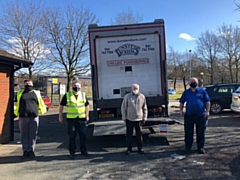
(85, 154)
(25, 155)
(31, 154)
(72, 155)
(140, 151)
(201, 151)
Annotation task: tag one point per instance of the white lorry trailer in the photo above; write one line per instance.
(120, 56)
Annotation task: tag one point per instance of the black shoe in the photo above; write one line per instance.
(201, 151)
(72, 155)
(128, 152)
(31, 154)
(25, 155)
(85, 154)
(140, 151)
(187, 150)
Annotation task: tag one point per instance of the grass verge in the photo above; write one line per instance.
(176, 96)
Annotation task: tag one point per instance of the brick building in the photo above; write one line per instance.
(9, 63)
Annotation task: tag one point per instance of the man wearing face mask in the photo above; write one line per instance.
(134, 114)
(29, 105)
(77, 112)
(197, 112)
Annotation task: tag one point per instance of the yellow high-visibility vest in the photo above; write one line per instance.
(75, 107)
(41, 106)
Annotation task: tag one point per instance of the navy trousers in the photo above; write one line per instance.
(75, 127)
(130, 125)
(189, 122)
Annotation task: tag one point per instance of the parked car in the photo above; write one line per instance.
(221, 96)
(171, 91)
(46, 100)
(235, 106)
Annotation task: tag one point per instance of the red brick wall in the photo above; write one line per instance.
(5, 104)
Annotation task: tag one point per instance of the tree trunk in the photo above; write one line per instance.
(184, 83)
(237, 68)
(30, 73)
(212, 75)
(69, 77)
(174, 83)
(230, 70)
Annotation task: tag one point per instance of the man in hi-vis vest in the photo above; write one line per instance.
(29, 105)
(77, 112)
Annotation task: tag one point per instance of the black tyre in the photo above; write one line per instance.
(216, 107)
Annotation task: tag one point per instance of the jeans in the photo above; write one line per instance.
(28, 128)
(77, 127)
(189, 121)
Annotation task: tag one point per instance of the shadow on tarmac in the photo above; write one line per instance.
(53, 143)
(94, 157)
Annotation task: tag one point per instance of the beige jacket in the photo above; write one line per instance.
(134, 107)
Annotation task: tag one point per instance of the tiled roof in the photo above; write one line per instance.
(11, 59)
(7, 54)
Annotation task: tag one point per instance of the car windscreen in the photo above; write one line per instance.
(44, 95)
(238, 90)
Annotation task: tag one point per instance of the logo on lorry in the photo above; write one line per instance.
(127, 62)
(127, 49)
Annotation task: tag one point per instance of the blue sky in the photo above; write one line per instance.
(183, 18)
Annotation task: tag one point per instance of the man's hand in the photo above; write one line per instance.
(87, 118)
(143, 121)
(181, 113)
(60, 119)
(206, 115)
(124, 121)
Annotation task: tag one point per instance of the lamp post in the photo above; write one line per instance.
(190, 63)
(201, 74)
(184, 78)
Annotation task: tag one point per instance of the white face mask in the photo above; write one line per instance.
(136, 91)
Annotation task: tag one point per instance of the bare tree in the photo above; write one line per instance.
(68, 39)
(22, 35)
(237, 5)
(208, 49)
(177, 66)
(229, 39)
(127, 17)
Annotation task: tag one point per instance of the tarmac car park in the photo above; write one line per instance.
(164, 158)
